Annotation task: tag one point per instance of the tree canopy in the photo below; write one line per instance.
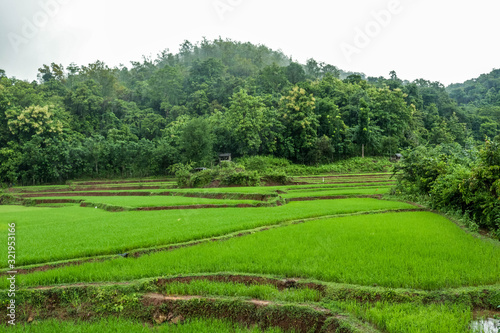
(223, 96)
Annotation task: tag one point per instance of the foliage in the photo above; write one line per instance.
(34, 120)
(225, 174)
(276, 177)
(224, 96)
(263, 163)
(297, 113)
(456, 178)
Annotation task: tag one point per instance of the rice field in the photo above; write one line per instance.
(113, 325)
(153, 201)
(397, 250)
(92, 232)
(414, 318)
(263, 258)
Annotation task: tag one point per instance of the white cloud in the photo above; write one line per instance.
(448, 41)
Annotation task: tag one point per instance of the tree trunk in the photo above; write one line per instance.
(363, 150)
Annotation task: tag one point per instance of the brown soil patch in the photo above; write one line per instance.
(481, 313)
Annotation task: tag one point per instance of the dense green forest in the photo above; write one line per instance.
(224, 96)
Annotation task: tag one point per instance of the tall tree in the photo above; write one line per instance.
(245, 119)
(300, 122)
(196, 142)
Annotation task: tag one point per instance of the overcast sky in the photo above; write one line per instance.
(444, 40)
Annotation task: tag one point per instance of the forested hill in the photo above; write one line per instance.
(223, 96)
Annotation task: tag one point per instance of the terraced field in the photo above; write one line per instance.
(326, 254)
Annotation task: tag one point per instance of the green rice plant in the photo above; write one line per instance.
(232, 190)
(113, 325)
(343, 179)
(411, 317)
(335, 192)
(419, 250)
(49, 234)
(264, 292)
(354, 165)
(156, 201)
(273, 189)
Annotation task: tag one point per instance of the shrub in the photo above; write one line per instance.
(446, 189)
(278, 177)
(201, 178)
(455, 178)
(263, 163)
(243, 178)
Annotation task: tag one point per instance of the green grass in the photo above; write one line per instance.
(410, 317)
(340, 180)
(50, 234)
(155, 201)
(57, 205)
(263, 292)
(346, 175)
(113, 325)
(231, 190)
(334, 192)
(418, 250)
(79, 187)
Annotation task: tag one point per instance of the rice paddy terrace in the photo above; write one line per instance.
(328, 253)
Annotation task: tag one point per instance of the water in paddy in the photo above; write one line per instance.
(488, 325)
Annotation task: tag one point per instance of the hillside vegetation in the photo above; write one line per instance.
(223, 96)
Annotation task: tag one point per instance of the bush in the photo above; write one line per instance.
(263, 163)
(201, 178)
(446, 189)
(243, 178)
(277, 178)
(227, 173)
(454, 178)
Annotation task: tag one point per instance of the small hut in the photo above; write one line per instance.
(396, 157)
(225, 157)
